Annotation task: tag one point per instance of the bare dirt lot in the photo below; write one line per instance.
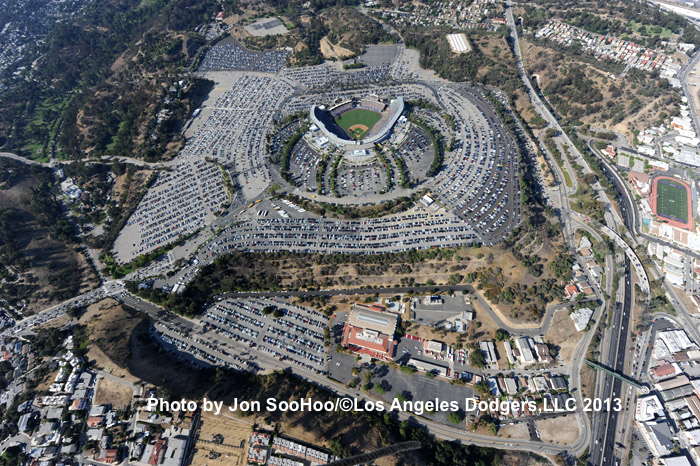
(329, 50)
(563, 334)
(561, 429)
(523, 459)
(108, 391)
(515, 431)
(233, 450)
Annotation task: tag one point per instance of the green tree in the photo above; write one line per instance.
(476, 358)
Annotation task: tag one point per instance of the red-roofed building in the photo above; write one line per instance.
(370, 331)
(79, 404)
(155, 454)
(571, 291)
(110, 456)
(664, 370)
(94, 421)
(610, 151)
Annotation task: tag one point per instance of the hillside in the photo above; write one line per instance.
(602, 92)
(339, 26)
(343, 433)
(40, 262)
(102, 72)
(109, 327)
(582, 92)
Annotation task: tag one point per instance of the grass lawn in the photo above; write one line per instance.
(665, 33)
(364, 118)
(567, 178)
(672, 200)
(42, 126)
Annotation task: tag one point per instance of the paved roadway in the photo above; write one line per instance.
(618, 338)
(604, 447)
(683, 77)
(519, 330)
(441, 431)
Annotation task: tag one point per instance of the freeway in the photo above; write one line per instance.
(602, 454)
(618, 333)
(606, 434)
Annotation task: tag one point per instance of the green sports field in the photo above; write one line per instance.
(357, 122)
(672, 200)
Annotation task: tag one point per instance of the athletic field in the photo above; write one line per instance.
(357, 122)
(672, 200)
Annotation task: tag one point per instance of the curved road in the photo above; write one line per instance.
(520, 330)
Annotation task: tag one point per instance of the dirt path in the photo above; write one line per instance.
(334, 51)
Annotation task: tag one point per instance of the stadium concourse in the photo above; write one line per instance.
(341, 133)
(473, 197)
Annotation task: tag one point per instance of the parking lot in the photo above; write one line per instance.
(296, 336)
(230, 55)
(303, 166)
(480, 178)
(417, 152)
(288, 227)
(180, 202)
(477, 187)
(360, 179)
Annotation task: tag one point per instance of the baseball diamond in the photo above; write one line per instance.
(357, 122)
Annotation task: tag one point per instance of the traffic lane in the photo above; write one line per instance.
(157, 312)
(440, 430)
(620, 340)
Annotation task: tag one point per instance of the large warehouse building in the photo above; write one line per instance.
(370, 330)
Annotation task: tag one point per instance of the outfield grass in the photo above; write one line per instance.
(672, 200)
(357, 116)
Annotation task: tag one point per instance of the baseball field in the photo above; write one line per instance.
(357, 122)
(672, 200)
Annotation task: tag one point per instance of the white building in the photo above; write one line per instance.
(648, 408)
(523, 346)
(581, 317)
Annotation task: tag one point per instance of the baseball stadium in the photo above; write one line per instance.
(671, 201)
(357, 121)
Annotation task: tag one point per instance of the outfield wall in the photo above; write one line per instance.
(396, 106)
